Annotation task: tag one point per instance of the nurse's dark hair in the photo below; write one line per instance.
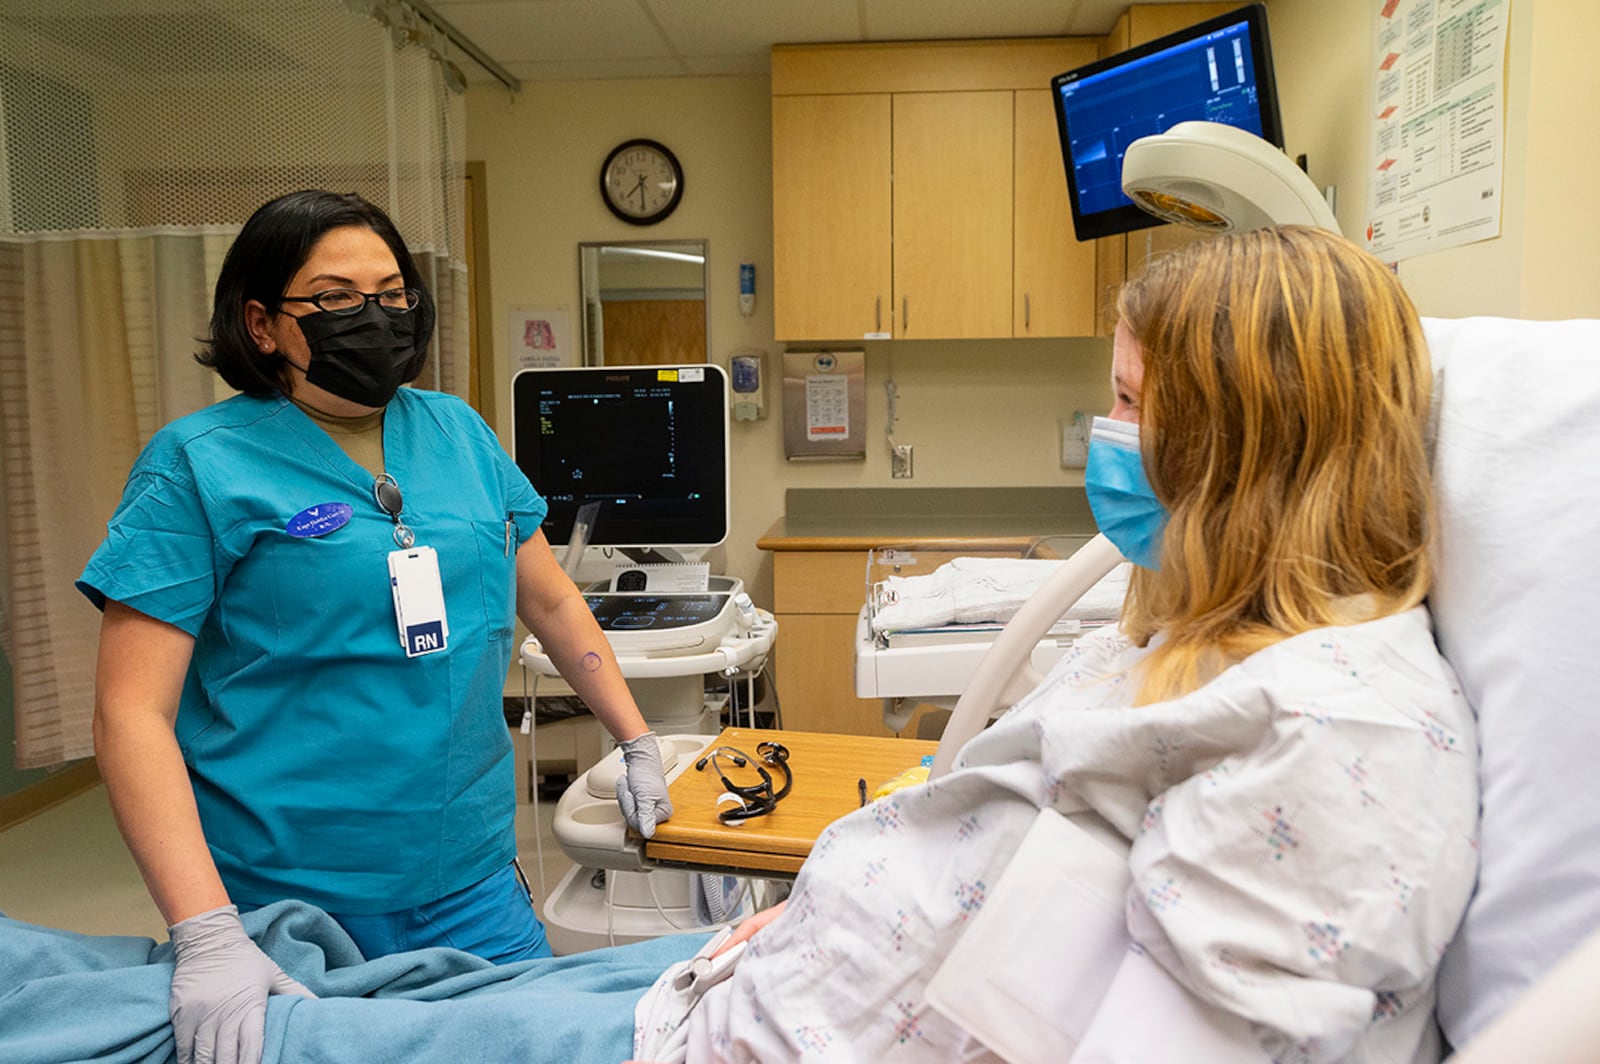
(274, 243)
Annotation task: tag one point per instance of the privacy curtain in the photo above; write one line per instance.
(133, 144)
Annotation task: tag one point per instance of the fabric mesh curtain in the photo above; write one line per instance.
(135, 139)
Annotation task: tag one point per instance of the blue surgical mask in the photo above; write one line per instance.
(1127, 511)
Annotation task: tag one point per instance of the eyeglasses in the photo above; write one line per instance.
(347, 301)
(755, 799)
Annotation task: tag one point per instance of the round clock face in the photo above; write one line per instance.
(641, 182)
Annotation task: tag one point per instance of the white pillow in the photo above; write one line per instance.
(1516, 606)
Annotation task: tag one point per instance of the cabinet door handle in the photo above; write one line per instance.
(905, 313)
(877, 315)
(1027, 311)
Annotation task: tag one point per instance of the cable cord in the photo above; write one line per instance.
(531, 709)
(656, 901)
(772, 686)
(749, 701)
(747, 899)
(611, 909)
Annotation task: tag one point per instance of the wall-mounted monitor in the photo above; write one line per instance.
(1219, 70)
(648, 443)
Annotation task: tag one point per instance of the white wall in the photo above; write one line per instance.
(977, 413)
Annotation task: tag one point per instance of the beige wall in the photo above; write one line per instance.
(1546, 262)
(985, 413)
(976, 413)
(1561, 217)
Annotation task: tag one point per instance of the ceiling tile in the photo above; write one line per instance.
(897, 20)
(593, 69)
(547, 39)
(743, 27)
(722, 65)
(556, 30)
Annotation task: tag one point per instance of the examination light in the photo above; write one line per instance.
(1217, 177)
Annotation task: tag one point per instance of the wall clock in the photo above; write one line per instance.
(641, 181)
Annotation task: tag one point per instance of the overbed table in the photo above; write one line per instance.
(827, 773)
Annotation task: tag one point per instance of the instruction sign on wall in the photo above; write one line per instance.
(825, 404)
(1438, 121)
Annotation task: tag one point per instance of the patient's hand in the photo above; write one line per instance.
(749, 927)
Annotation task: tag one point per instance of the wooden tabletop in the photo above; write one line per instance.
(827, 773)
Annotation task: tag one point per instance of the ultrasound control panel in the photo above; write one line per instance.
(642, 623)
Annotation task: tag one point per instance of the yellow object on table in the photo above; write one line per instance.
(909, 778)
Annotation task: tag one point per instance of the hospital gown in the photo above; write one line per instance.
(1302, 848)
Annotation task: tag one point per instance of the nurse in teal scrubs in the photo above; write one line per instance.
(309, 593)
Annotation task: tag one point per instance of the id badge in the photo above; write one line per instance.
(418, 600)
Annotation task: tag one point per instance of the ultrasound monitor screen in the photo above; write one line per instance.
(649, 443)
(1219, 70)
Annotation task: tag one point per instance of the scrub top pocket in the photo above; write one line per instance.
(497, 571)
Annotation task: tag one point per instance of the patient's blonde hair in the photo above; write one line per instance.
(1286, 391)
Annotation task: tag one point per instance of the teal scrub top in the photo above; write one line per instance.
(326, 764)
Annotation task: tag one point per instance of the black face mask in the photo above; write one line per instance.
(360, 357)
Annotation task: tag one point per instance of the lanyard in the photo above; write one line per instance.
(387, 494)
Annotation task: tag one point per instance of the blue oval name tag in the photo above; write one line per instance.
(319, 520)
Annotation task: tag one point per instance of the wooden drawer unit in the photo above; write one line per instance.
(817, 595)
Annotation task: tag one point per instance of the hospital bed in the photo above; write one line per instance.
(1516, 442)
(1517, 447)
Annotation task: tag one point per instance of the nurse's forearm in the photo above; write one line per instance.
(138, 680)
(579, 649)
(557, 615)
(154, 805)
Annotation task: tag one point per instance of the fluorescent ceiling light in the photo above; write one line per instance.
(614, 251)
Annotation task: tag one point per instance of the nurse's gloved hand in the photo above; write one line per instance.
(642, 787)
(219, 989)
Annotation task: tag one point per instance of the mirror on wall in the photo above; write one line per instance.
(644, 302)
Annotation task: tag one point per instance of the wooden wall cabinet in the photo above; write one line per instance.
(952, 214)
(1053, 276)
(1119, 257)
(918, 193)
(832, 239)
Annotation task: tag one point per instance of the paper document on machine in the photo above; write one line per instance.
(662, 577)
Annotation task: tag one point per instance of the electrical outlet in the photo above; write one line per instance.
(900, 462)
(1074, 440)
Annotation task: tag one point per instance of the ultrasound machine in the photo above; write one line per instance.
(634, 463)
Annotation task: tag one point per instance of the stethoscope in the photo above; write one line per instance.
(755, 799)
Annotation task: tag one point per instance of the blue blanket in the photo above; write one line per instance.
(68, 997)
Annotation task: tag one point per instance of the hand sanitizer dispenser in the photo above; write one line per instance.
(747, 385)
(747, 288)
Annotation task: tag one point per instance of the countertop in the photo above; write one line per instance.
(863, 518)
